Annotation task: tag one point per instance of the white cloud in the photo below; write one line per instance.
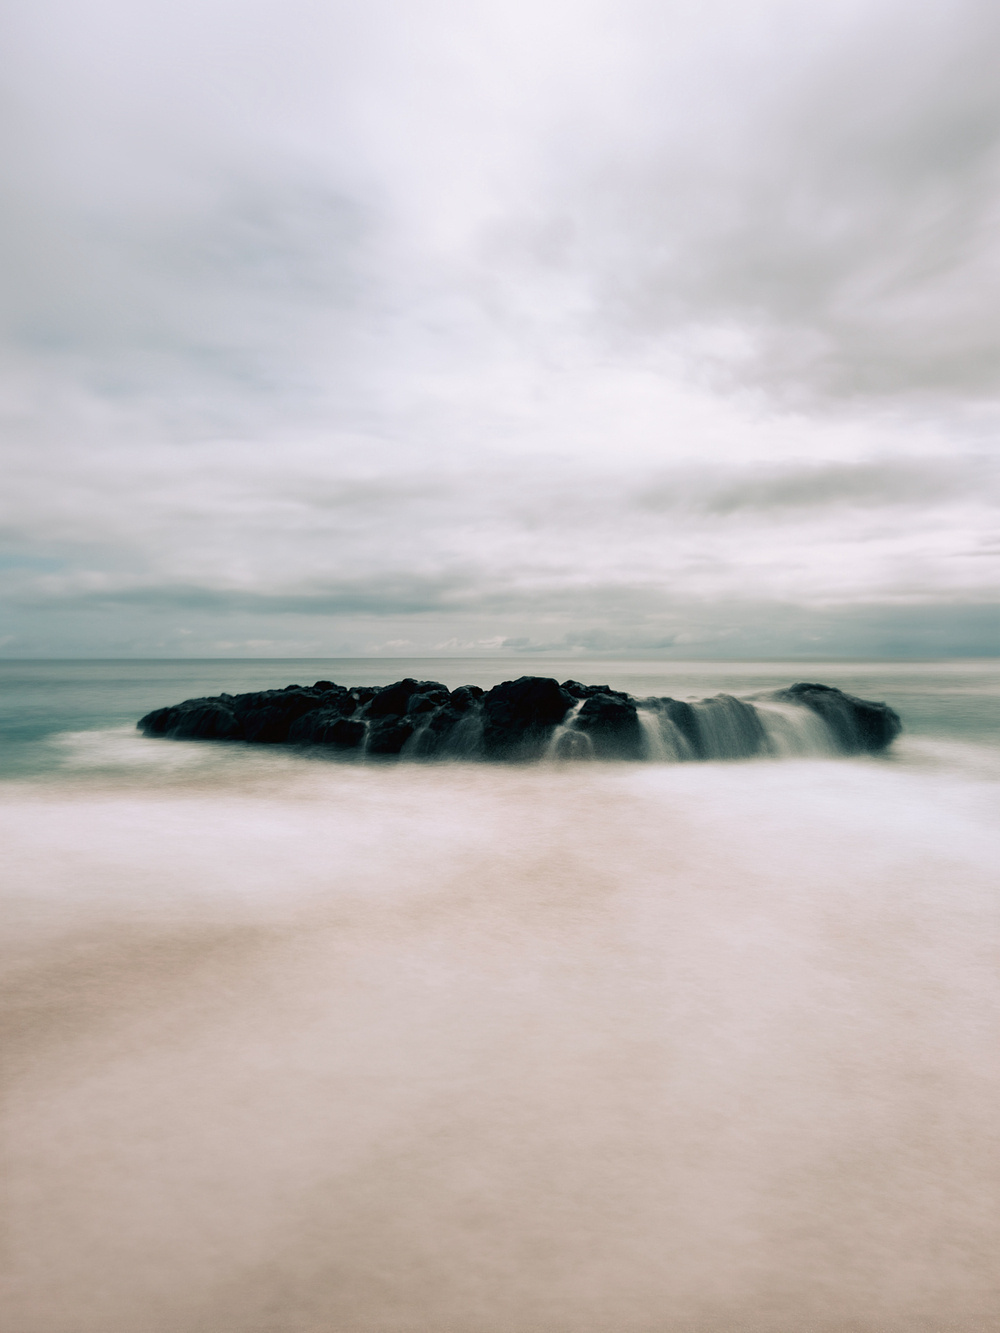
(511, 322)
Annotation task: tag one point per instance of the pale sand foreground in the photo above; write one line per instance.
(528, 1051)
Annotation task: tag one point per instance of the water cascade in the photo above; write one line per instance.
(568, 742)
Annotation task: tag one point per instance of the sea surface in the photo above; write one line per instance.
(298, 1045)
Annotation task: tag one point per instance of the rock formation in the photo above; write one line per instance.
(531, 717)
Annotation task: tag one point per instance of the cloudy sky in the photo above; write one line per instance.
(425, 326)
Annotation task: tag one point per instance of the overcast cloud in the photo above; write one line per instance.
(453, 327)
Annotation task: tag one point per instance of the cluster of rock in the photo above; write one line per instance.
(517, 720)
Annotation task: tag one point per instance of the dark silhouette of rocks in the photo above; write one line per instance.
(611, 721)
(519, 715)
(857, 724)
(327, 726)
(525, 719)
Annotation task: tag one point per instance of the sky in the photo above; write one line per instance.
(460, 327)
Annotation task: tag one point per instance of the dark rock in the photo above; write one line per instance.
(388, 735)
(519, 716)
(514, 721)
(195, 719)
(427, 701)
(157, 723)
(432, 731)
(270, 715)
(459, 732)
(338, 701)
(612, 723)
(465, 697)
(579, 691)
(858, 725)
(210, 722)
(326, 726)
(362, 693)
(393, 700)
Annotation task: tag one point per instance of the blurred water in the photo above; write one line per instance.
(299, 1045)
(43, 704)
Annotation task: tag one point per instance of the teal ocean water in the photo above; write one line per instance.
(49, 711)
(295, 1045)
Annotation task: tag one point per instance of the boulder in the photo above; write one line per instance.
(857, 725)
(393, 700)
(157, 723)
(326, 726)
(195, 719)
(268, 716)
(388, 735)
(612, 723)
(684, 718)
(433, 730)
(465, 697)
(520, 715)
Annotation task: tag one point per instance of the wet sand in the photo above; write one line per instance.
(532, 1051)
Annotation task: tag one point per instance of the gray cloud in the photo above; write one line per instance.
(386, 596)
(497, 325)
(834, 233)
(920, 483)
(240, 308)
(816, 213)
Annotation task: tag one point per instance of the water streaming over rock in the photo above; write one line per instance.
(535, 717)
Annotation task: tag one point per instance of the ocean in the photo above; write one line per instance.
(300, 1045)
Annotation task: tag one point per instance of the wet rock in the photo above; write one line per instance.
(388, 735)
(519, 716)
(157, 723)
(729, 728)
(612, 723)
(433, 730)
(361, 694)
(427, 701)
(514, 721)
(268, 716)
(578, 691)
(684, 718)
(326, 726)
(195, 719)
(393, 700)
(857, 725)
(465, 697)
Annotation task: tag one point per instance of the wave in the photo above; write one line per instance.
(532, 718)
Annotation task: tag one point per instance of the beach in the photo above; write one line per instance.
(300, 1045)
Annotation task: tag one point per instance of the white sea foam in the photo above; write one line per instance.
(567, 742)
(793, 730)
(656, 730)
(296, 1045)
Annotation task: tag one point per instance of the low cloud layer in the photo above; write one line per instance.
(586, 327)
